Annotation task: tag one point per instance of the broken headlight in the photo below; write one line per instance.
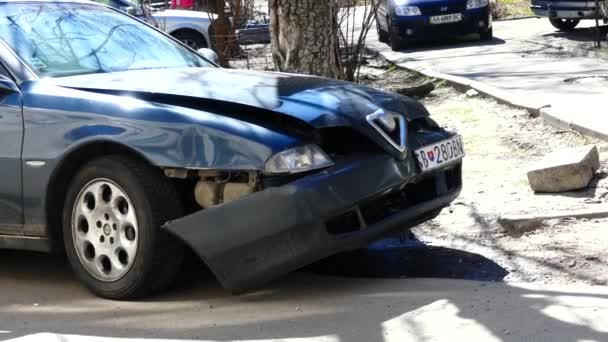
(298, 159)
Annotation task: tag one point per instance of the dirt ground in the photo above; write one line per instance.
(501, 143)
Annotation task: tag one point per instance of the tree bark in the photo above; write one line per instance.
(223, 31)
(305, 37)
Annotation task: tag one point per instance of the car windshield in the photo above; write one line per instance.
(65, 39)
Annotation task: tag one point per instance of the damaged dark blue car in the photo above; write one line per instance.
(123, 147)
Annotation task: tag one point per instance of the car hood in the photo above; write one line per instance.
(320, 102)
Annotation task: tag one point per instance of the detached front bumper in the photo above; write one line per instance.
(272, 232)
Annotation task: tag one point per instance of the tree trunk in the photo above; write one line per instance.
(223, 32)
(305, 37)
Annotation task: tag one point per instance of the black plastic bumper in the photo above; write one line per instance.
(272, 232)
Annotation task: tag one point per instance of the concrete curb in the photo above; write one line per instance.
(551, 116)
(516, 18)
(463, 84)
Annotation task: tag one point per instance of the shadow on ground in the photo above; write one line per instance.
(41, 295)
(410, 258)
(583, 34)
(450, 43)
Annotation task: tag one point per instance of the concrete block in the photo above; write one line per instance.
(517, 224)
(565, 170)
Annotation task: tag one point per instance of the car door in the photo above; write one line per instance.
(11, 139)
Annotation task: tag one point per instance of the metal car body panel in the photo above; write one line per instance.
(60, 120)
(571, 9)
(316, 101)
(272, 232)
(170, 21)
(11, 135)
(168, 132)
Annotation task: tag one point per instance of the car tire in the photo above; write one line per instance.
(192, 39)
(382, 35)
(112, 219)
(487, 35)
(395, 42)
(565, 25)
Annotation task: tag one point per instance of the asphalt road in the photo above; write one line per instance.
(41, 301)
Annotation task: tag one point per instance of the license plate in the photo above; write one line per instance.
(446, 18)
(439, 154)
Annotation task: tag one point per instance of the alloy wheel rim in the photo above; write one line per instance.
(105, 230)
(191, 43)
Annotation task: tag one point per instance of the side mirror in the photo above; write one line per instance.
(8, 86)
(209, 54)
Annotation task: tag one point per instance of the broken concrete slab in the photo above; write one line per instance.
(472, 93)
(420, 90)
(565, 170)
(516, 224)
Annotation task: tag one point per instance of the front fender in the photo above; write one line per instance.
(60, 120)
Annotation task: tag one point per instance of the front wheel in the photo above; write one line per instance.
(382, 35)
(564, 24)
(486, 35)
(395, 41)
(192, 39)
(112, 219)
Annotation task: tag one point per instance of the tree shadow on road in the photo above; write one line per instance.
(40, 295)
(582, 34)
(451, 43)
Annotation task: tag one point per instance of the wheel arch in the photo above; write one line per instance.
(191, 30)
(64, 171)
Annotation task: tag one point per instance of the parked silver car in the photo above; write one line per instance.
(565, 15)
(190, 27)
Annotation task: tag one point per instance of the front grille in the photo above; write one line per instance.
(437, 9)
(342, 141)
(381, 208)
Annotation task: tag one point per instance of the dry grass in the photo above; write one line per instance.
(507, 9)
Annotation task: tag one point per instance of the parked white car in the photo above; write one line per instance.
(190, 27)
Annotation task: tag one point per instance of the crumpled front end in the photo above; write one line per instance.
(269, 233)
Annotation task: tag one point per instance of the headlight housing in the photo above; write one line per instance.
(298, 159)
(473, 4)
(407, 11)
